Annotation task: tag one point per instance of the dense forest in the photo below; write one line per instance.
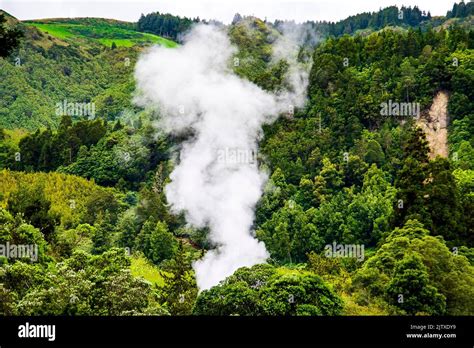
(390, 16)
(89, 190)
(165, 25)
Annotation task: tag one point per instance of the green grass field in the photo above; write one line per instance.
(103, 31)
(141, 267)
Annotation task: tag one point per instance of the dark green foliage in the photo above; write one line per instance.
(102, 238)
(47, 150)
(461, 10)
(9, 37)
(91, 149)
(32, 204)
(165, 25)
(127, 227)
(156, 241)
(289, 234)
(443, 202)
(181, 290)
(152, 201)
(410, 289)
(427, 191)
(411, 178)
(376, 20)
(345, 216)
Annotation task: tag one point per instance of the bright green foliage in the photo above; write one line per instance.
(15, 231)
(409, 288)
(78, 238)
(254, 37)
(46, 197)
(81, 285)
(263, 290)
(443, 273)
(107, 32)
(53, 70)
(370, 212)
(142, 267)
(299, 294)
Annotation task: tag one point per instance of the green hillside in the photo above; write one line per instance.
(102, 30)
(70, 60)
(342, 174)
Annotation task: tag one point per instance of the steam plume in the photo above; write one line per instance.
(216, 182)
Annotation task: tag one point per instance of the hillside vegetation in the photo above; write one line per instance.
(48, 70)
(104, 31)
(90, 191)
